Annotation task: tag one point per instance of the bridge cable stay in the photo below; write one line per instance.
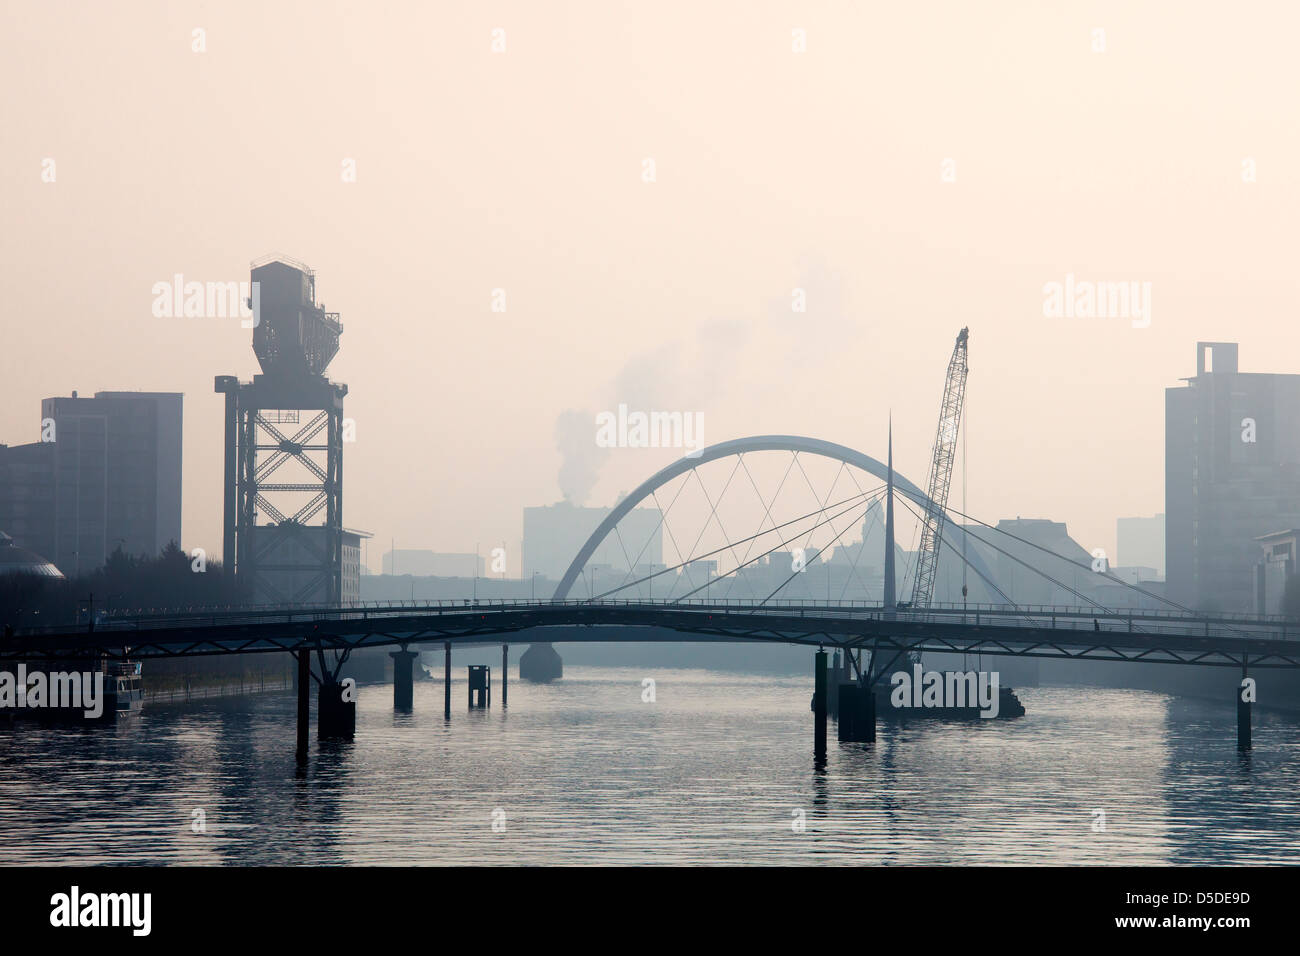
(732, 544)
(853, 565)
(1109, 575)
(988, 581)
(808, 538)
(663, 517)
(767, 510)
(796, 572)
(729, 544)
(713, 508)
(781, 544)
(686, 562)
(1043, 574)
(830, 490)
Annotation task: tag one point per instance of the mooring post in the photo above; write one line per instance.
(1243, 712)
(819, 706)
(505, 673)
(848, 702)
(304, 702)
(867, 719)
(833, 688)
(403, 678)
(446, 680)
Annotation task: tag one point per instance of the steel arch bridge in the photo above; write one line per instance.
(738, 448)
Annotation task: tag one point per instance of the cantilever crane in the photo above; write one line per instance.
(945, 451)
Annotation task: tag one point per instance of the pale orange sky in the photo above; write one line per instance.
(522, 171)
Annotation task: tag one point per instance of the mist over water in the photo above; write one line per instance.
(711, 772)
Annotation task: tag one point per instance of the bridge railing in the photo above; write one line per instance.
(138, 613)
(1063, 618)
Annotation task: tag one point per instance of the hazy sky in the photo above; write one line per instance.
(523, 171)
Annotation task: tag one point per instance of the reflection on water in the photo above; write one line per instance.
(712, 772)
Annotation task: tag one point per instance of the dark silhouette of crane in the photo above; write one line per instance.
(945, 452)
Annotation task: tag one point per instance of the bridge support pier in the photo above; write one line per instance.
(336, 718)
(819, 706)
(1243, 715)
(505, 674)
(857, 723)
(304, 702)
(403, 678)
(541, 664)
(446, 681)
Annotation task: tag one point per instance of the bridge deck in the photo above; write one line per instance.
(1069, 633)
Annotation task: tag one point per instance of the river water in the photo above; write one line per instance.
(717, 769)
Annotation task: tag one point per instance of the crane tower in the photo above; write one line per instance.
(945, 451)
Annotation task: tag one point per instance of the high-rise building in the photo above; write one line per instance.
(1232, 474)
(1141, 543)
(27, 495)
(117, 475)
(106, 474)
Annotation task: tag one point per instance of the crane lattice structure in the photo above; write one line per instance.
(283, 539)
(945, 451)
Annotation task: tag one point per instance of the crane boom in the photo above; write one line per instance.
(945, 451)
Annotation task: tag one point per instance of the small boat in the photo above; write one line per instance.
(123, 689)
(105, 691)
(1009, 706)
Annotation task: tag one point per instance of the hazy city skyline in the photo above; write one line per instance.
(774, 171)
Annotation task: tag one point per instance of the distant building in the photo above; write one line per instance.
(1020, 571)
(554, 534)
(432, 564)
(1275, 564)
(1136, 574)
(107, 475)
(27, 495)
(1232, 474)
(287, 575)
(1140, 542)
